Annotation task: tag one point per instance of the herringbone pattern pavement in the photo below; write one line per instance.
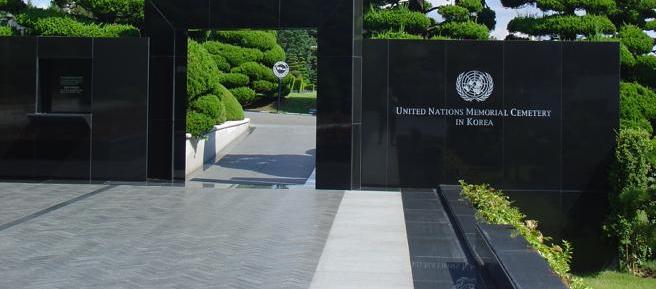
(169, 237)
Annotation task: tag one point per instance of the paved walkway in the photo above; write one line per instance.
(280, 150)
(130, 236)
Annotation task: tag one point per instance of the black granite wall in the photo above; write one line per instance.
(73, 108)
(553, 166)
(339, 24)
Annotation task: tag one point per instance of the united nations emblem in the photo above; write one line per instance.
(475, 85)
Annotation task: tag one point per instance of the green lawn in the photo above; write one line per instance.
(615, 280)
(293, 103)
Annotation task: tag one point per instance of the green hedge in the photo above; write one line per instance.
(646, 70)
(233, 109)
(261, 40)
(397, 19)
(454, 13)
(273, 55)
(471, 5)
(264, 87)
(636, 40)
(567, 26)
(395, 35)
(233, 80)
(199, 124)
(463, 30)
(202, 73)
(495, 207)
(245, 95)
(61, 26)
(210, 105)
(6, 31)
(235, 55)
(12, 6)
(255, 71)
(221, 63)
(638, 106)
(115, 11)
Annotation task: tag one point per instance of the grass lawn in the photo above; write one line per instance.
(294, 103)
(616, 280)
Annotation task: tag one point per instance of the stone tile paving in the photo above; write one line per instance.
(171, 237)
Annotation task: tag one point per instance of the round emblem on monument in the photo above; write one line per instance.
(475, 85)
(281, 69)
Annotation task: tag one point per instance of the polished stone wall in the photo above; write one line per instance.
(45, 133)
(339, 25)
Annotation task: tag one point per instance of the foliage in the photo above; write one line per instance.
(496, 208)
(51, 22)
(263, 86)
(301, 52)
(651, 25)
(646, 70)
(454, 13)
(633, 219)
(471, 5)
(210, 105)
(463, 30)
(221, 63)
(397, 19)
(565, 27)
(12, 6)
(235, 55)
(636, 40)
(638, 106)
(261, 40)
(245, 95)
(198, 124)
(255, 71)
(202, 73)
(395, 35)
(115, 11)
(273, 55)
(233, 109)
(615, 280)
(596, 7)
(233, 80)
(6, 31)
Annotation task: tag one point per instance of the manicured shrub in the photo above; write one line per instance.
(64, 26)
(471, 5)
(199, 124)
(494, 207)
(233, 80)
(632, 161)
(463, 30)
(262, 40)
(12, 6)
(233, 109)
(6, 31)
(566, 26)
(235, 55)
(245, 95)
(627, 60)
(255, 71)
(115, 11)
(264, 87)
(211, 106)
(221, 63)
(273, 55)
(397, 19)
(395, 35)
(636, 40)
(202, 74)
(646, 70)
(651, 25)
(454, 13)
(637, 106)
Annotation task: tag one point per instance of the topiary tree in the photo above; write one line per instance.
(114, 11)
(638, 107)
(13, 6)
(6, 31)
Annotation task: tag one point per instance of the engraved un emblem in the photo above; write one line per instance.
(475, 85)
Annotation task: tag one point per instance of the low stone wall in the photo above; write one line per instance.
(205, 150)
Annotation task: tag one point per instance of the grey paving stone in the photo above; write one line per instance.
(172, 237)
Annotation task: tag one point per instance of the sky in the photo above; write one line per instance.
(504, 15)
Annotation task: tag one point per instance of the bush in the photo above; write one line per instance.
(199, 124)
(6, 31)
(261, 40)
(233, 109)
(202, 74)
(633, 218)
(495, 208)
(221, 63)
(244, 95)
(264, 87)
(463, 30)
(567, 27)
(64, 26)
(255, 71)
(646, 70)
(273, 55)
(211, 106)
(454, 13)
(397, 19)
(636, 40)
(637, 106)
(115, 11)
(235, 55)
(13, 6)
(233, 80)
(471, 5)
(395, 35)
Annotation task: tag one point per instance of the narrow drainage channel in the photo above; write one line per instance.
(439, 255)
